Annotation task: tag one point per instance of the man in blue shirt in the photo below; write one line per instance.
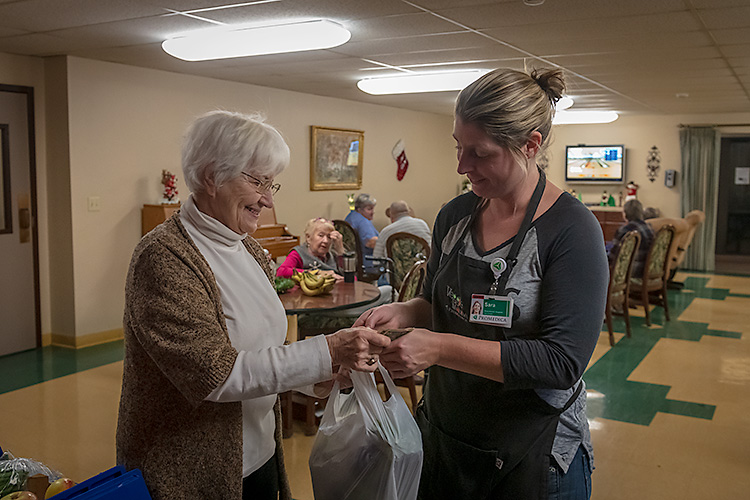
(361, 219)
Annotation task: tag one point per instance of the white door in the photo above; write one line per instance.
(18, 295)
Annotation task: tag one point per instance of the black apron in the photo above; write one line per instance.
(480, 440)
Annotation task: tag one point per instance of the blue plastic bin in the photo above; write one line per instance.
(112, 484)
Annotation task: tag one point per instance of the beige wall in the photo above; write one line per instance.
(638, 134)
(125, 126)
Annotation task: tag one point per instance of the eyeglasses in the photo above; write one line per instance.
(263, 186)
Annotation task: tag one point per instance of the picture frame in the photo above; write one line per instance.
(336, 158)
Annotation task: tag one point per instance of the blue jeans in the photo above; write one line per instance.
(573, 485)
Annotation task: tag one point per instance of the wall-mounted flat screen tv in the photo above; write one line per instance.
(595, 164)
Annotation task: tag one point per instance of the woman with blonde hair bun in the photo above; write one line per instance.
(503, 414)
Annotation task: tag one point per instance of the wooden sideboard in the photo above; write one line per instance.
(610, 218)
(153, 215)
(272, 236)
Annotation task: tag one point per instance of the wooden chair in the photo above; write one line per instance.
(352, 243)
(619, 282)
(410, 288)
(651, 288)
(404, 249)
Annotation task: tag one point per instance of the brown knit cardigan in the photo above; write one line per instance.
(177, 351)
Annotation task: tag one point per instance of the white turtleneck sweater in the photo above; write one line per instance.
(257, 328)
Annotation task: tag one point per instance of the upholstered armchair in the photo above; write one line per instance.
(352, 243)
(619, 282)
(684, 232)
(404, 249)
(651, 288)
(411, 286)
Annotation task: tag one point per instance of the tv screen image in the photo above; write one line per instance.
(598, 164)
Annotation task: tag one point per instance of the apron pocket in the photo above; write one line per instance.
(452, 469)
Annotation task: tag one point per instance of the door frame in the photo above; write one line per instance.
(29, 92)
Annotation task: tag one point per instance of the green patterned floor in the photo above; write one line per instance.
(626, 401)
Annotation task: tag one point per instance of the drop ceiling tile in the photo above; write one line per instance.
(731, 36)
(726, 18)
(399, 26)
(130, 32)
(39, 44)
(46, 15)
(344, 12)
(585, 14)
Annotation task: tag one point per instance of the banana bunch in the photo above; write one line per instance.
(313, 282)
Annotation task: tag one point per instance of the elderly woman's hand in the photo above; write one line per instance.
(337, 241)
(357, 348)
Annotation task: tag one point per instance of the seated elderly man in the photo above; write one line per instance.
(401, 222)
(633, 213)
(361, 219)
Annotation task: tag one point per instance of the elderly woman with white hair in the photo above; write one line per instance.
(204, 330)
(322, 244)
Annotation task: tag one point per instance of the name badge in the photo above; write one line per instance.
(492, 310)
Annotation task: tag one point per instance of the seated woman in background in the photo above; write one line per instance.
(322, 244)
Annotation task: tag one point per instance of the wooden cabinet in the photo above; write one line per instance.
(153, 215)
(610, 218)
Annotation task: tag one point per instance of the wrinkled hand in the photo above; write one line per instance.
(357, 348)
(379, 318)
(412, 353)
(334, 274)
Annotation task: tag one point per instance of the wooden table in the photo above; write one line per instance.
(343, 296)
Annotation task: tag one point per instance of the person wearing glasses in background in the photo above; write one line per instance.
(204, 330)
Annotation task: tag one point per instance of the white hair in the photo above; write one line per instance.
(221, 144)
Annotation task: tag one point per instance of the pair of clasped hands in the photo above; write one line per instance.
(369, 341)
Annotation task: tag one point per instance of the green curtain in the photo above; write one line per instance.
(700, 148)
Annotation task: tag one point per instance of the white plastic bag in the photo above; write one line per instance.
(366, 449)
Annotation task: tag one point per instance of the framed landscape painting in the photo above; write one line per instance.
(335, 158)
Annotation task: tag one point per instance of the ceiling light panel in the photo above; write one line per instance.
(239, 41)
(419, 82)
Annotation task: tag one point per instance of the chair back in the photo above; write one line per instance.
(657, 263)
(404, 249)
(350, 238)
(694, 218)
(622, 263)
(412, 283)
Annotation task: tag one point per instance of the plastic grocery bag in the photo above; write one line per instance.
(366, 449)
(15, 471)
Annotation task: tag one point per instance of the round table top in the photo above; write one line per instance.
(343, 296)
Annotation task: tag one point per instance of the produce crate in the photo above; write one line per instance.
(112, 484)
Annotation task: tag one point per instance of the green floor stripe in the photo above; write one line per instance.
(31, 367)
(688, 409)
(638, 402)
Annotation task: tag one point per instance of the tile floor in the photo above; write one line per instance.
(668, 406)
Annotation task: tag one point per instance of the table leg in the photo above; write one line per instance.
(291, 328)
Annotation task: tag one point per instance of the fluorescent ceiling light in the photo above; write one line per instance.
(564, 103)
(243, 41)
(419, 82)
(583, 117)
